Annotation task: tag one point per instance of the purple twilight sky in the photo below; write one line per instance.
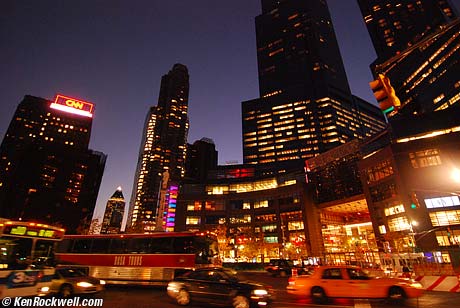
(114, 52)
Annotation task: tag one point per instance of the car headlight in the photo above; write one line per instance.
(173, 287)
(417, 285)
(44, 289)
(84, 284)
(260, 292)
(102, 281)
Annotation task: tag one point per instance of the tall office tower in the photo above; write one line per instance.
(48, 174)
(417, 44)
(201, 157)
(397, 25)
(297, 50)
(306, 106)
(114, 211)
(162, 150)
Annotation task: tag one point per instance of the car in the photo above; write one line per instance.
(283, 267)
(348, 281)
(69, 281)
(218, 286)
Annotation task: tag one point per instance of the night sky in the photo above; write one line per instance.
(114, 52)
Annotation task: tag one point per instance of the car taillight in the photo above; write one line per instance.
(291, 280)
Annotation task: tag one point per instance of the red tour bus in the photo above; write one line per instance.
(150, 259)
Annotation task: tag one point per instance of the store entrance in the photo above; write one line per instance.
(348, 235)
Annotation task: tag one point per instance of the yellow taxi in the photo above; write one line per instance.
(344, 281)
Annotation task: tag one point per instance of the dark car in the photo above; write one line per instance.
(69, 281)
(283, 267)
(218, 286)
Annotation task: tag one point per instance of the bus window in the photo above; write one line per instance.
(150, 245)
(100, 245)
(43, 253)
(183, 245)
(203, 253)
(82, 245)
(118, 245)
(16, 252)
(161, 245)
(65, 246)
(139, 245)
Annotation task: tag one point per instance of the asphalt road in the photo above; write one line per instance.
(155, 297)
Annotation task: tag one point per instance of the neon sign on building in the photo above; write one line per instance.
(73, 105)
(170, 211)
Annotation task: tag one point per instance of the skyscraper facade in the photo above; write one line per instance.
(297, 50)
(114, 211)
(306, 106)
(163, 148)
(396, 25)
(418, 49)
(48, 174)
(201, 158)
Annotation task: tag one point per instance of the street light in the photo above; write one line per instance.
(456, 175)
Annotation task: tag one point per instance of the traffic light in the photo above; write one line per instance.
(414, 203)
(449, 232)
(385, 94)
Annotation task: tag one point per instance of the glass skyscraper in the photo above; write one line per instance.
(162, 150)
(418, 49)
(306, 106)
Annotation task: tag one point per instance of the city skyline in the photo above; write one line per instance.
(75, 54)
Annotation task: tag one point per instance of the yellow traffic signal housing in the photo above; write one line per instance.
(415, 204)
(385, 94)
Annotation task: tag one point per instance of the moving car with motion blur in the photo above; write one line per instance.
(218, 286)
(70, 281)
(284, 267)
(345, 281)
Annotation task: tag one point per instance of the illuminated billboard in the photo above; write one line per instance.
(73, 105)
(170, 211)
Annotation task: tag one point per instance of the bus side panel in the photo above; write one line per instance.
(132, 260)
(133, 275)
(26, 282)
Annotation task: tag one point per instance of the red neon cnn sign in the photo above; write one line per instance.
(73, 105)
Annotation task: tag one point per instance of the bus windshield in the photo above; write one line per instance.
(27, 257)
(19, 252)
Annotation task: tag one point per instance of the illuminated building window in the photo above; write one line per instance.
(240, 219)
(445, 218)
(382, 229)
(271, 54)
(295, 225)
(196, 206)
(217, 190)
(445, 239)
(425, 158)
(442, 202)
(193, 220)
(394, 210)
(398, 224)
(246, 205)
(270, 239)
(260, 204)
(269, 228)
(266, 218)
(214, 205)
(379, 172)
